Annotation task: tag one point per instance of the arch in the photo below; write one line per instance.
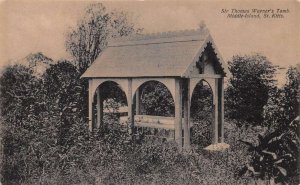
(167, 82)
(210, 81)
(200, 81)
(141, 87)
(96, 100)
(202, 112)
(114, 83)
(210, 89)
(106, 82)
(95, 83)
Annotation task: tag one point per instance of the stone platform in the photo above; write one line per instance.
(217, 147)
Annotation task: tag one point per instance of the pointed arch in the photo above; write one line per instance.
(202, 114)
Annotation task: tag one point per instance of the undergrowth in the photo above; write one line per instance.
(111, 156)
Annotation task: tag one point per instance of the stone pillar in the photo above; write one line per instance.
(129, 102)
(91, 97)
(221, 110)
(99, 109)
(216, 110)
(137, 102)
(178, 112)
(186, 109)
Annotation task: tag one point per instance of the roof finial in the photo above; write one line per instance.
(202, 27)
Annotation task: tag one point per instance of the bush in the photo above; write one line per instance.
(283, 103)
(291, 94)
(274, 157)
(248, 89)
(51, 144)
(20, 105)
(42, 120)
(19, 94)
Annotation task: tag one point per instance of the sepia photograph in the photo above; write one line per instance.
(139, 92)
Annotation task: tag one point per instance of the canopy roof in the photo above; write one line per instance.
(168, 54)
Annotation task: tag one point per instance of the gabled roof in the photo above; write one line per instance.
(167, 54)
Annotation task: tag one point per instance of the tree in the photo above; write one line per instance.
(283, 103)
(41, 120)
(274, 113)
(62, 85)
(291, 93)
(38, 62)
(249, 86)
(23, 123)
(19, 90)
(90, 37)
(64, 96)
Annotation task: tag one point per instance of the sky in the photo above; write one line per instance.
(40, 26)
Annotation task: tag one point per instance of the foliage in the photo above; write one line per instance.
(46, 139)
(291, 94)
(19, 94)
(34, 59)
(202, 102)
(34, 152)
(283, 103)
(86, 41)
(111, 90)
(55, 147)
(156, 99)
(202, 115)
(45, 134)
(64, 95)
(107, 158)
(42, 119)
(63, 87)
(248, 89)
(20, 111)
(274, 114)
(274, 157)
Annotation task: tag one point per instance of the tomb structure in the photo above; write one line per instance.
(179, 60)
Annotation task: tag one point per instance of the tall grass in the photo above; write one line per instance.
(110, 156)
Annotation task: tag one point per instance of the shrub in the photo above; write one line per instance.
(283, 103)
(19, 94)
(248, 89)
(291, 94)
(51, 143)
(274, 157)
(42, 120)
(20, 105)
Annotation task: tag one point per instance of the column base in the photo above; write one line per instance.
(217, 147)
(90, 125)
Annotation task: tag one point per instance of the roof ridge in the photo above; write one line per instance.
(160, 35)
